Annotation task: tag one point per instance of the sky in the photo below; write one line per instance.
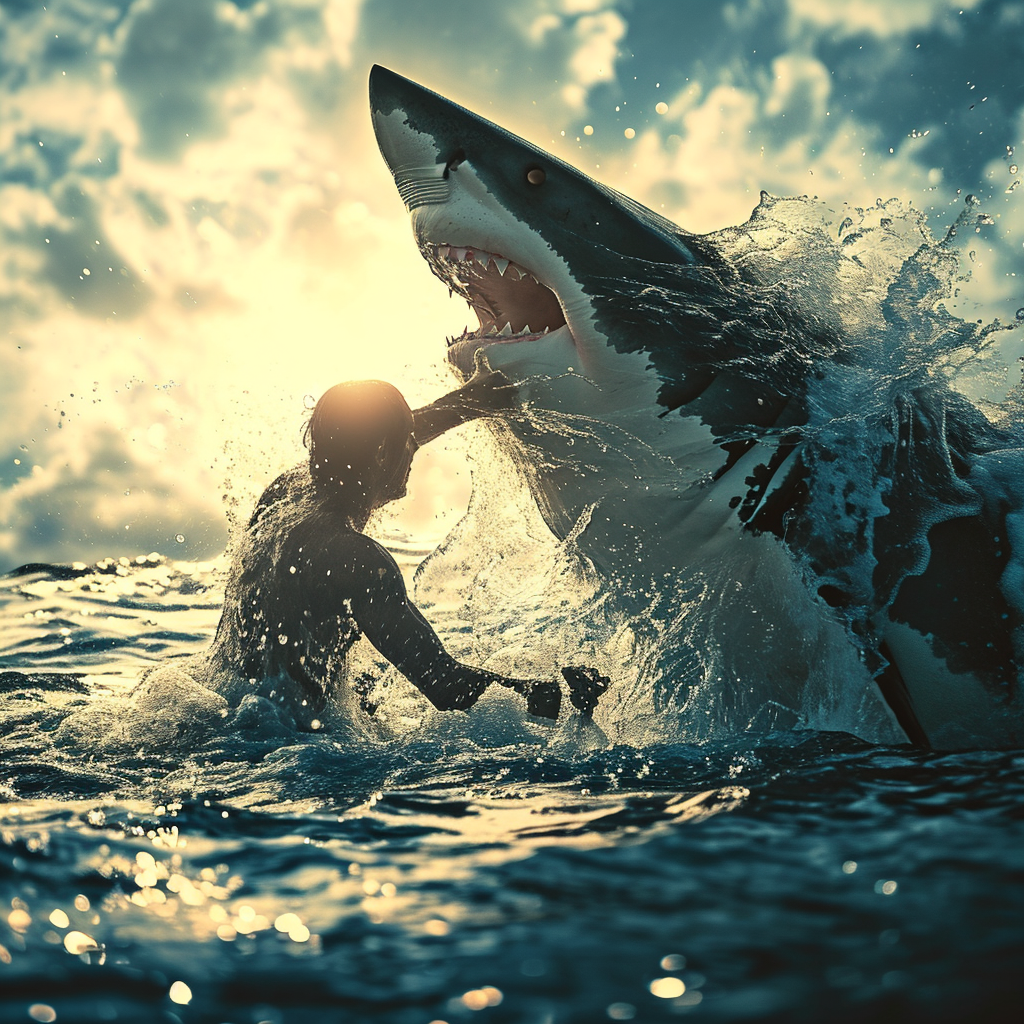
(198, 235)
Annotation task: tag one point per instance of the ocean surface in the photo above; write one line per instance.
(240, 872)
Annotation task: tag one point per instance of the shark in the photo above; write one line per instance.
(689, 420)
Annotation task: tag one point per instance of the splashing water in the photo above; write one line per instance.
(415, 866)
(850, 316)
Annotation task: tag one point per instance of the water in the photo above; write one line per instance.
(164, 857)
(454, 876)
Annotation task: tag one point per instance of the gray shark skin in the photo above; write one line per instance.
(672, 432)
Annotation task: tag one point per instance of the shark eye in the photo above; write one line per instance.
(453, 163)
(535, 176)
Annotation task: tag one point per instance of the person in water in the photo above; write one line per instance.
(307, 582)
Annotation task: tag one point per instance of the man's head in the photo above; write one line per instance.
(360, 440)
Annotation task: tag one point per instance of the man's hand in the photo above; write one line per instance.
(487, 390)
(543, 696)
(585, 686)
(544, 700)
(485, 393)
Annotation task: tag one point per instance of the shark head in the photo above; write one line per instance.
(522, 236)
(574, 281)
(609, 312)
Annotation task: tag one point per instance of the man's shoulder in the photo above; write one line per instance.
(291, 486)
(345, 564)
(325, 541)
(364, 549)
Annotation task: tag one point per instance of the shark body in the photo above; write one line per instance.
(673, 427)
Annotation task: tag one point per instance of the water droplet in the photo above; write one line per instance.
(77, 943)
(292, 569)
(282, 639)
(662, 108)
(971, 199)
(667, 988)
(180, 993)
(308, 402)
(1013, 168)
(180, 538)
(630, 133)
(620, 1011)
(588, 129)
(1020, 313)
(19, 919)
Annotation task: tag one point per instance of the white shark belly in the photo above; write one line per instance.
(953, 708)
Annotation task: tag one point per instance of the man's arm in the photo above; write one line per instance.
(397, 629)
(485, 393)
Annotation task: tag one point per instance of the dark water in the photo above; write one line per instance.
(455, 876)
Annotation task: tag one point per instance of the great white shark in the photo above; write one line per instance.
(683, 430)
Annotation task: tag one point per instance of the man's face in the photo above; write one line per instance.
(399, 458)
(406, 461)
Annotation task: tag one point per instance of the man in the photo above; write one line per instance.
(306, 582)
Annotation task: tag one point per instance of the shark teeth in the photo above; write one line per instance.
(482, 258)
(505, 296)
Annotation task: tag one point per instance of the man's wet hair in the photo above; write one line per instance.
(356, 431)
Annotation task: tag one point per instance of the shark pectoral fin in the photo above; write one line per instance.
(956, 710)
(895, 693)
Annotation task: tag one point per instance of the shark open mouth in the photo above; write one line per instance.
(510, 303)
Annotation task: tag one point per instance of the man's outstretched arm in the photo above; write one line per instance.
(486, 393)
(397, 629)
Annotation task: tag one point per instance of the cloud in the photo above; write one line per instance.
(718, 146)
(114, 241)
(598, 36)
(77, 518)
(212, 166)
(878, 17)
(85, 487)
(799, 93)
(531, 65)
(172, 57)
